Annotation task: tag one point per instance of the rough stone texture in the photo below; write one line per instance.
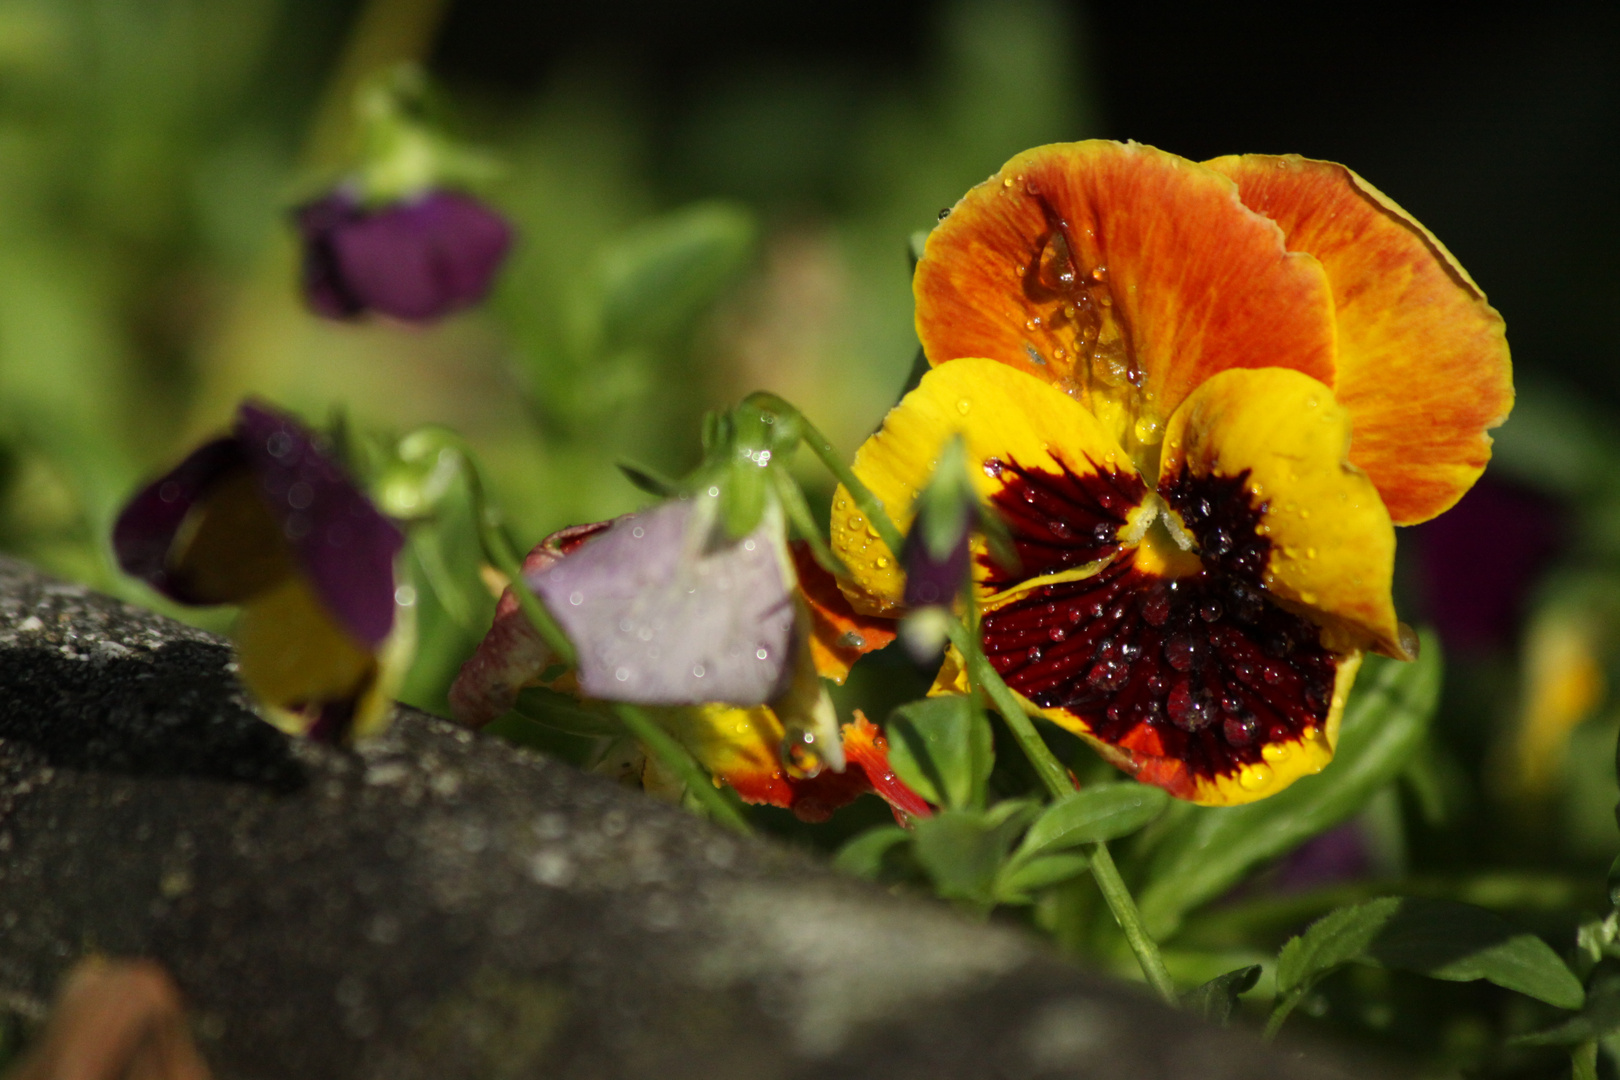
(440, 905)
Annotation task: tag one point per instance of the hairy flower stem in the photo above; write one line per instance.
(818, 444)
(1056, 779)
(658, 742)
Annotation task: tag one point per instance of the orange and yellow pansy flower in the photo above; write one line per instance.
(1200, 396)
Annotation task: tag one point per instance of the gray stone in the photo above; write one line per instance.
(440, 905)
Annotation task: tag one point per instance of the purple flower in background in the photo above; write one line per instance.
(1480, 559)
(418, 259)
(265, 519)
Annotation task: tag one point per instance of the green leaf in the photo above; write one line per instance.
(564, 712)
(1462, 943)
(962, 850)
(1335, 939)
(1438, 938)
(1217, 1000)
(1203, 852)
(649, 481)
(943, 748)
(1106, 812)
(865, 855)
(1598, 1020)
(1019, 880)
(655, 279)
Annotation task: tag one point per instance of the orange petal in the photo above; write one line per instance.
(1423, 362)
(739, 746)
(868, 750)
(1123, 274)
(839, 636)
(1277, 441)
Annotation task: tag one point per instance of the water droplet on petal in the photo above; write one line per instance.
(1254, 777)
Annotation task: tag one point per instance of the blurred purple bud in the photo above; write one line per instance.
(933, 578)
(662, 612)
(417, 260)
(1480, 559)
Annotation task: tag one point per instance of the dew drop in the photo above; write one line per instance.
(1058, 633)
(1254, 777)
(1240, 730)
(576, 598)
(1210, 611)
(638, 532)
(1149, 429)
(762, 654)
(698, 671)
(622, 674)
(1060, 529)
(964, 406)
(1034, 653)
(1156, 608)
(1275, 752)
(881, 562)
(1272, 673)
(1181, 651)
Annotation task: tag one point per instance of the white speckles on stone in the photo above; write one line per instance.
(552, 867)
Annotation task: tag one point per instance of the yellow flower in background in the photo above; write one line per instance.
(1200, 397)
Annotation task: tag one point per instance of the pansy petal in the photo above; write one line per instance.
(146, 533)
(839, 636)
(1423, 364)
(512, 655)
(1062, 483)
(1124, 273)
(301, 663)
(1177, 680)
(344, 546)
(1275, 442)
(867, 749)
(662, 612)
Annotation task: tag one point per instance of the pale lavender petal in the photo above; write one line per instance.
(512, 655)
(660, 620)
(146, 528)
(344, 546)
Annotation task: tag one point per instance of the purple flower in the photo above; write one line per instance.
(263, 518)
(418, 259)
(1480, 560)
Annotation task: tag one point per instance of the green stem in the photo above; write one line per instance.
(658, 742)
(798, 512)
(668, 750)
(1279, 1013)
(1051, 771)
(829, 456)
(1123, 905)
(1583, 1062)
(1056, 779)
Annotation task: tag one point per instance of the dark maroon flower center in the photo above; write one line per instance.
(1207, 660)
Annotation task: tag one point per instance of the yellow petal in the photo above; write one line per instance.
(1014, 426)
(1284, 437)
(293, 655)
